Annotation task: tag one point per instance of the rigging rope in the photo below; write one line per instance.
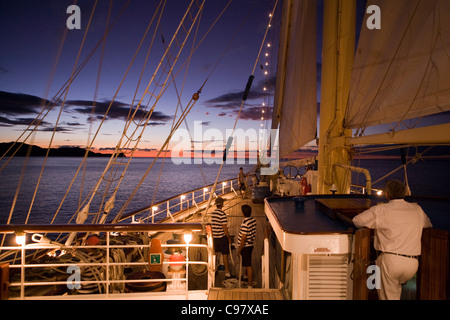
(98, 130)
(179, 105)
(57, 97)
(148, 114)
(53, 133)
(177, 125)
(91, 118)
(117, 218)
(413, 160)
(49, 105)
(247, 89)
(164, 86)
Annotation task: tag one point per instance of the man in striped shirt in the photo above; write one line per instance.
(220, 234)
(246, 238)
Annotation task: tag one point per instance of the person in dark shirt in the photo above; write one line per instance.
(221, 236)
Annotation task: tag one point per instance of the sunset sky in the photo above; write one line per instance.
(31, 34)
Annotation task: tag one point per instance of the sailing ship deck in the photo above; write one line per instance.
(225, 290)
(232, 207)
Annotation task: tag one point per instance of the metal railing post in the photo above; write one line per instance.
(22, 272)
(107, 265)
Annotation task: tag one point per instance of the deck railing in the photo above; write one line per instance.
(190, 199)
(107, 271)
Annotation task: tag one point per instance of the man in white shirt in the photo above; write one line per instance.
(398, 226)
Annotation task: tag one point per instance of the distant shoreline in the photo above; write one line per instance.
(36, 151)
(441, 153)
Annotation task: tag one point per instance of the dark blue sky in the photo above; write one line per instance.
(31, 33)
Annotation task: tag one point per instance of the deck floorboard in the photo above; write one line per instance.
(245, 294)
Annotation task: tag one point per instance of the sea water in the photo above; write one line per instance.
(165, 180)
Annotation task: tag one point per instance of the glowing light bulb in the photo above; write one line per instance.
(187, 237)
(20, 238)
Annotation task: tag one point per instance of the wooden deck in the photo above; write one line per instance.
(232, 207)
(245, 294)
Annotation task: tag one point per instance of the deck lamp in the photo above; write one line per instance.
(333, 189)
(20, 238)
(187, 237)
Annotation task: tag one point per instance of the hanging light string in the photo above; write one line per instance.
(266, 72)
(247, 89)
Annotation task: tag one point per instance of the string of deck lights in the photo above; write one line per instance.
(265, 68)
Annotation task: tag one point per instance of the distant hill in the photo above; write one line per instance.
(54, 152)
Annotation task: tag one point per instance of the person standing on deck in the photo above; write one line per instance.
(241, 181)
(398, 231)
(246, 238)
(221, 236)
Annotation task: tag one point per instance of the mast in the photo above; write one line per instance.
(337, 59)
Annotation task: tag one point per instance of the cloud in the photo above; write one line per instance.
(58, 129)
(254, 113)
(118, 110)
(231, 102)
(6, 122)
(13, 104)
(73, 124)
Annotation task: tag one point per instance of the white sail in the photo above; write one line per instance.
(295, 104)
(401, 71)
